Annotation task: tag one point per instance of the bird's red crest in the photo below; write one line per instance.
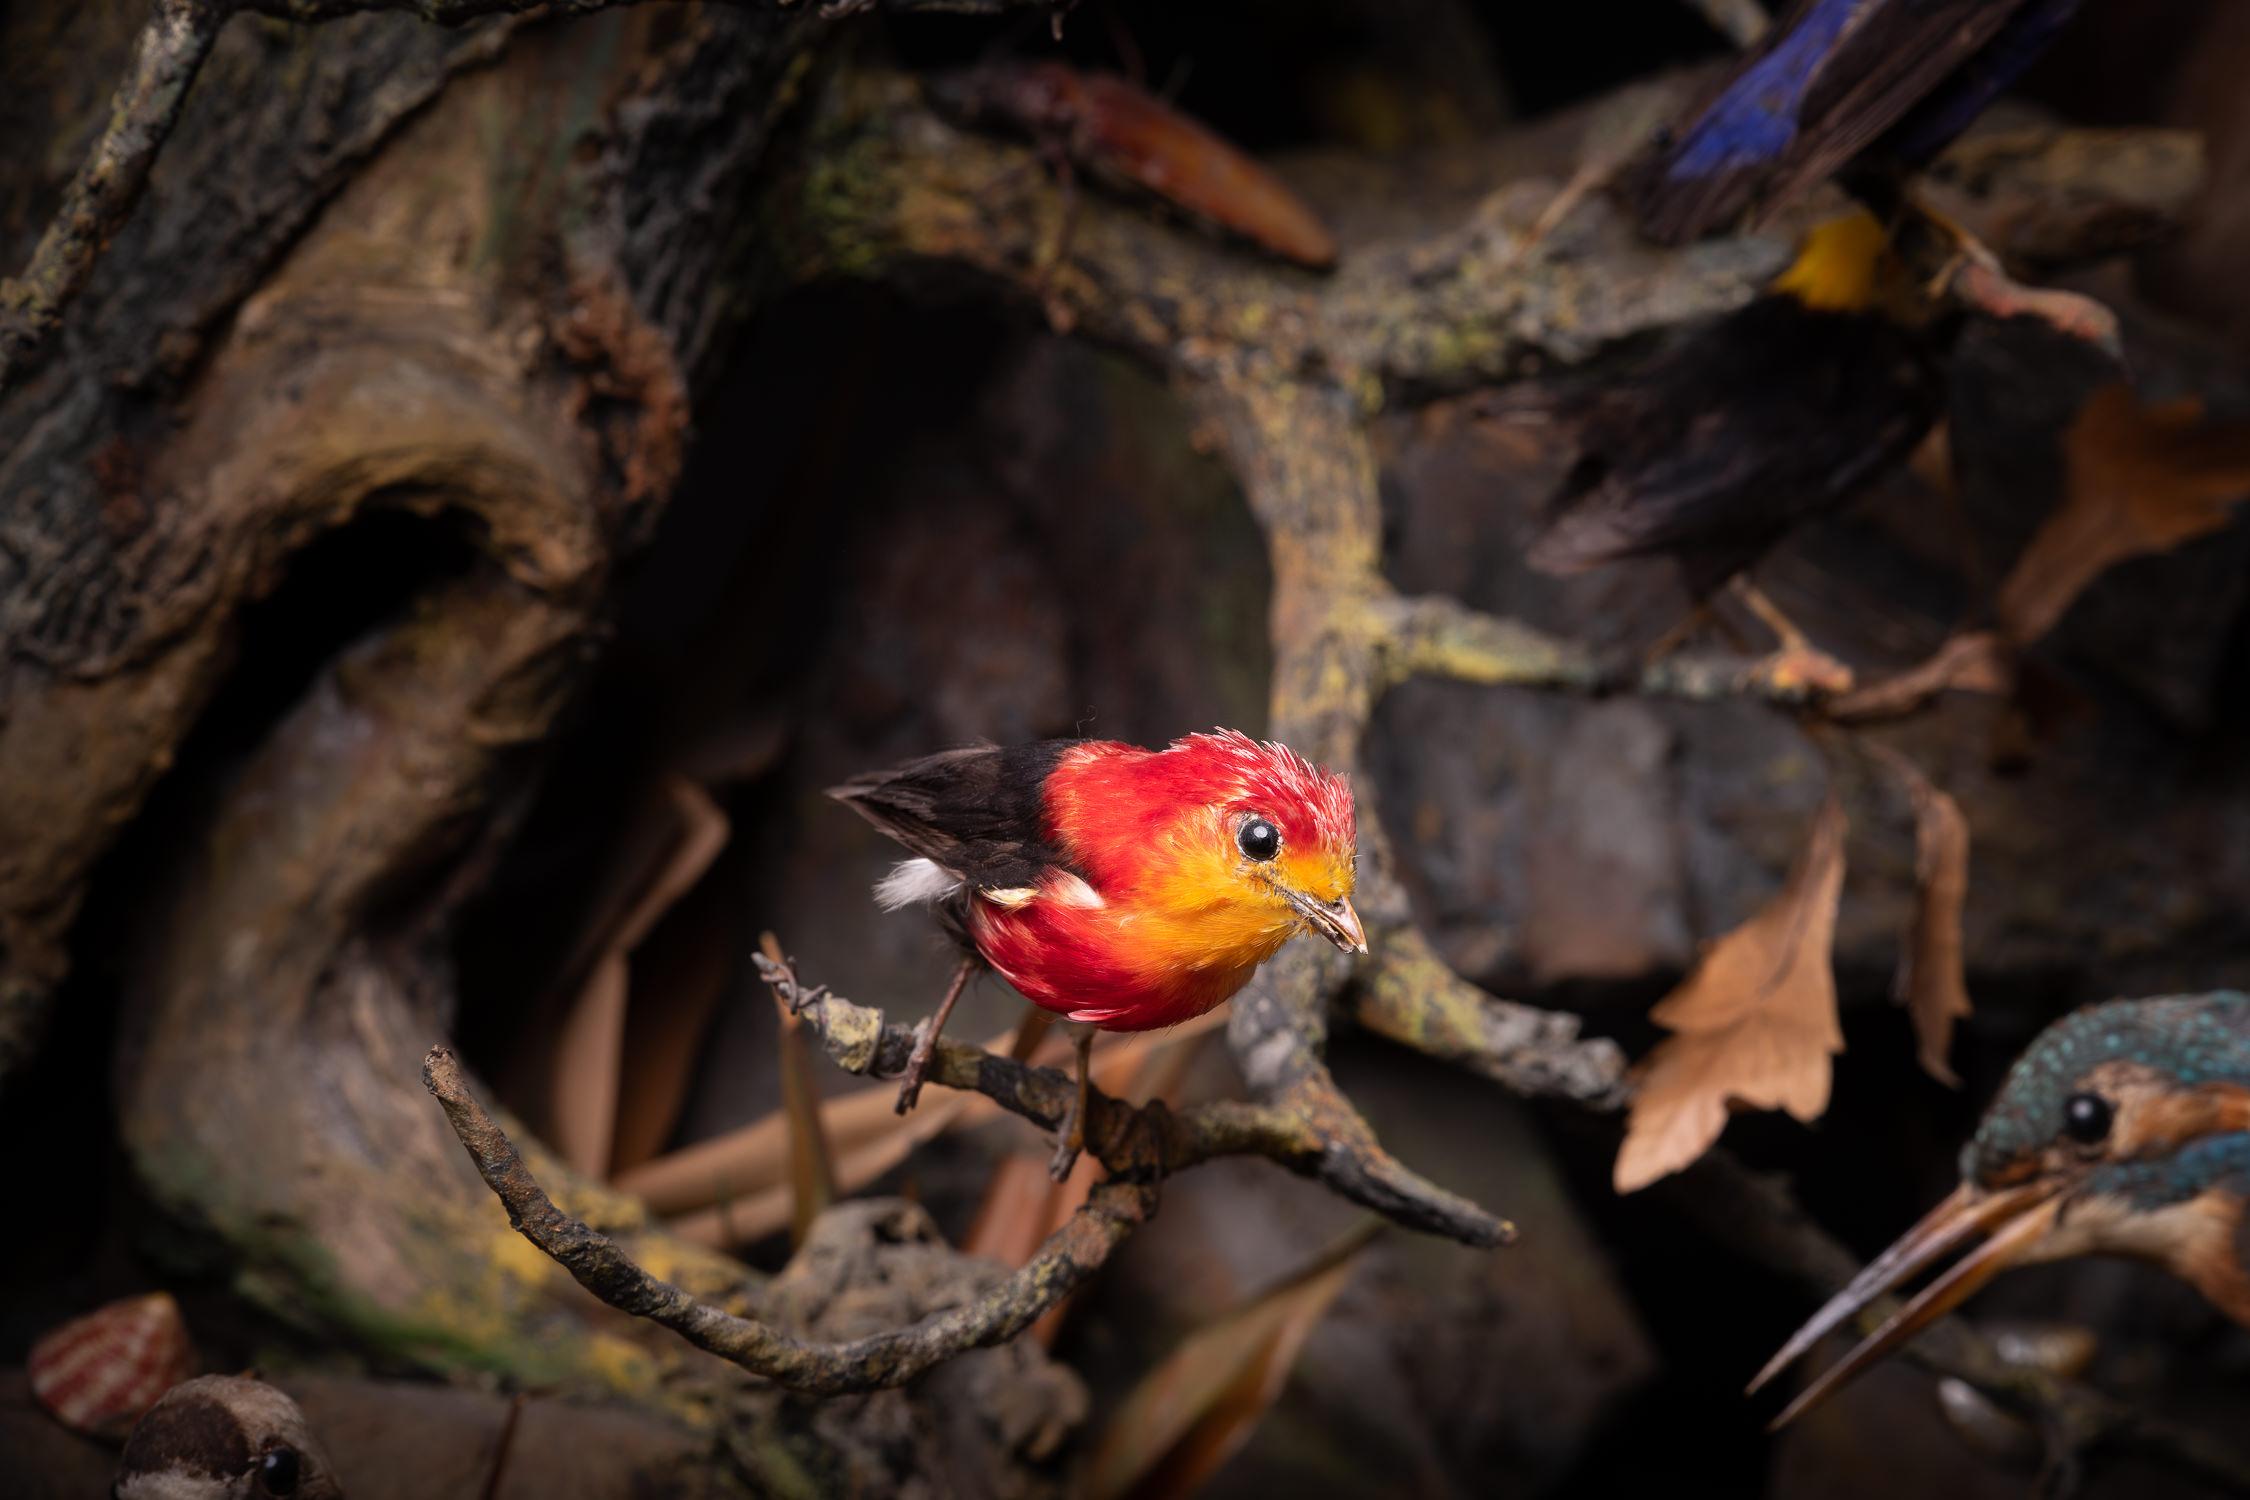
(1311, 804)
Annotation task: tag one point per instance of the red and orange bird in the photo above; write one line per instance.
(1125, 889)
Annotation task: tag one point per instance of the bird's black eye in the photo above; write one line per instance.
(278, 1471)
(1259, 839)
(2086, 1118)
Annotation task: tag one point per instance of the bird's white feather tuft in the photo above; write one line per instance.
(915, 882)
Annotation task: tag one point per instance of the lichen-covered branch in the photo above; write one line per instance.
(1410, 995)
(876, 1362)
(1301, 1126)
(1434, 636)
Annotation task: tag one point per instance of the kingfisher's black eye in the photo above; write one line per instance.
(278, 1471)
(2086, 1118)
(1259, 839)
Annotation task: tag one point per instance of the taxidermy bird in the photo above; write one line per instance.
(2124, 1130)
(1869, 88)
(1709, 450)
(223, 1437)
(1125, 889)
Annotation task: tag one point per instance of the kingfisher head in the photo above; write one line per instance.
(2123, 1130)
(1239, 842)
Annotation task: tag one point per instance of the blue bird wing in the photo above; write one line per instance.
(1829, 80)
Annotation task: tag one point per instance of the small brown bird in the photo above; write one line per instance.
(224, 1437)
(1709, 451)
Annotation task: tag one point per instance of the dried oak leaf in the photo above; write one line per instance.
(1755, 1022)
(1931, 983)
(2140, 479)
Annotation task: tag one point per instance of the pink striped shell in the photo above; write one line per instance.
(99, 1373)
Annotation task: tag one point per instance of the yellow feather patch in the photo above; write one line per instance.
(1837, 265)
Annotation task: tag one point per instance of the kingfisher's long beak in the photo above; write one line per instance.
(2015, 1219)
(1333, 920)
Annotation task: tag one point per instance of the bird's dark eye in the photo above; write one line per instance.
(1259, 839)
(278, 1471)
(2086, 1118)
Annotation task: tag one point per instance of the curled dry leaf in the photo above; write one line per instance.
(1755, 1023)
(1193, 1411)
(98, 1374)
(1931, 983)
(685, 834)
(1023, 1204)
(1123, 133)
(2140, 479)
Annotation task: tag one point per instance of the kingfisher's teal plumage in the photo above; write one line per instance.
(2123, 1130)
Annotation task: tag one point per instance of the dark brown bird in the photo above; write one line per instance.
(1712, 448)
(223, 1437)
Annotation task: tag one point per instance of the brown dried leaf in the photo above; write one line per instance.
(1131, 133)
(583, 1077)
(812, 1174)
(2140, 479)
(1192, 1412)
(1755, 1023)
(1931, 983)
(1022, 1204)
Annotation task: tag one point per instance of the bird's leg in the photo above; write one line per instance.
(1769, 614)
(1971, 272)
(1030, 1032)
(1072, 1137)
(925, 1038)
(1798, 663)
(1698, 615)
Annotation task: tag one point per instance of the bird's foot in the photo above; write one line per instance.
(1991, 290)
(1974, 276)
(1069, 1143)
(1796, 668)
(1802, 672)
(1072, 1136)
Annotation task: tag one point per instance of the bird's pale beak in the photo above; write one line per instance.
(2014, 1219)
(1333, 920)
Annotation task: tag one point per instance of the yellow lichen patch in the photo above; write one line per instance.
(621, 1364)
(517, 1258)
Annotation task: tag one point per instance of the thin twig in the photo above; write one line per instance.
(166, 57)
(1430, 635)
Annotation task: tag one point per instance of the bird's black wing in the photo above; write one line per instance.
(1712, 449)
(1830, 79)
(977, 812)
